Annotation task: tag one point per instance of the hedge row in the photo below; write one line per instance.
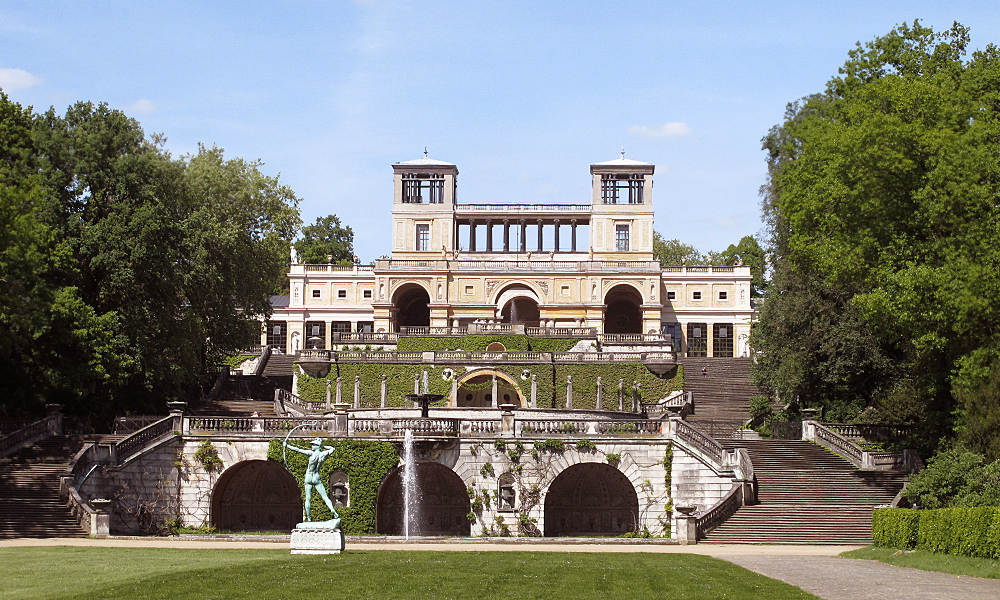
(550, 378)
(366, 464)
(960, 531)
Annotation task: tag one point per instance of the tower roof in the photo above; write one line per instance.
(425, 162)
(623, 162)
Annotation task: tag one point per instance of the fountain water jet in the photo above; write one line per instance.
(409, 484)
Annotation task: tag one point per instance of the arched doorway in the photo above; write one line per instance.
(411, 308)
(256, 495)
(476, 390)
(519, 304)
(442, 505)
(591, 499)
(622, 314)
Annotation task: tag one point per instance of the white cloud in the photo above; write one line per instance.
(141, 107)
(17, 79)
(674, 129)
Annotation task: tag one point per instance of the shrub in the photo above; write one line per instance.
(760, 407)
(895, 527)
(586, 446)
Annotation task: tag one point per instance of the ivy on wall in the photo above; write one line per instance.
(479, 342)
(366, 463)
(551, 382)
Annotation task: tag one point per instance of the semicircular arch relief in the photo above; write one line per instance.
(256, 495)
(591, 499)
(478, 384)
(623, 312)
(441, 508)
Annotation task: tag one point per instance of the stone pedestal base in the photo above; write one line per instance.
(317, 541)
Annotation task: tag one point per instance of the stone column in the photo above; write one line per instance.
(524, 235)
(54, 414)
(489, 235)
(506, 235)
(573, 236)
(555, 248)
(385, 391)
(540, 226)
(340, 390)
(416, 384)
(472, 235)
(600, 405)
(534, 391)
(454, 390)
(569, 391)
(357, 391)
(493, 391)
(621, 395)
(328, 394)
(636, 400)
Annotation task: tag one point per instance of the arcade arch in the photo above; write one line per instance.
(442, 505)
(410, 304)
(475, 389)
(256, 495)
(591, 499)
(622, 313)
(518, 303)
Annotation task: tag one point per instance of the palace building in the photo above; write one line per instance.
(585, 270)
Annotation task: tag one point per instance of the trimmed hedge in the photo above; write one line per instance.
(971, 531)
(366, 463)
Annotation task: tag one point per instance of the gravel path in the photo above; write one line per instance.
(833, 578)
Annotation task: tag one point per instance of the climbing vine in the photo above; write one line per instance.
(366, 464)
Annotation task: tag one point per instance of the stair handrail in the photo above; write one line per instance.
(283, 399)
(220, 381)
(137, 442)
(866, 460)
(51, 424)
(721, 510)
(265, 355)
(699, 440)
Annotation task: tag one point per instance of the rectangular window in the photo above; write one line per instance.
(469, 290)
(341, 293)
(423, 238)
(423, 188)
(564, 290)
(697, 339)
(671, 295)
(672, 332)
(340, 327)
(277, 334)
(315, 335)
(316, 293)
(723, 295)
(696, 295)
(367, 294)
(366, 326)
(622, 188)
(621, 238)
(722, 340)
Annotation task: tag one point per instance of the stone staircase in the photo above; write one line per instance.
(807, 495)
(724, 394)
(29, 490)
(243, 395)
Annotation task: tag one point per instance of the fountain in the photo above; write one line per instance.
(410, 491)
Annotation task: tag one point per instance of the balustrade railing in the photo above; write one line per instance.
(283, 399)
(133, 423)
(634, 339)
(721, 511)
(553, 427)
(870, 432)
(561, 332)
(480, 427)
(629, 427)
(14, 440)
(445, 427)
(137, 442)
(700, 440)
(365, 337)
(840, 445)
(355, 356)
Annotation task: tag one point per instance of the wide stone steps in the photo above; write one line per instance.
(724, 394)
(29, 490)
(807, 495)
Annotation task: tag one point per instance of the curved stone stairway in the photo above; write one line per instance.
(807, 495)
(29, 490)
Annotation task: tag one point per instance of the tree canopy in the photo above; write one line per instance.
(125, 273)
(882, 202)
(326, 241)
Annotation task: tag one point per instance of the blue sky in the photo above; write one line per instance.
(522, 96)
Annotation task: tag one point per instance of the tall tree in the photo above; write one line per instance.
(326, 241)
(747, 252)
(883, 191)
(672, 253)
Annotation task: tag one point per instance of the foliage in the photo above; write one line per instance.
(672, 253)
(760, 407)
(613, 459)
(125, 273)
(748, 252)
(366, 464)
(60, 573)
(208, 456)
(479, 342)
(326, 238)
(929, 561)
(233, 362)
(487, 471)
(964, 531)
(882, 207)
(668, 465)
(585, 445)
(955, 478)
(550, 445)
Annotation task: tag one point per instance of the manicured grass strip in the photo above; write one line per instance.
(930, 561)
(137, 574)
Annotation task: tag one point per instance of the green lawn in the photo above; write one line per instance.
(135, 574)
(930, 561)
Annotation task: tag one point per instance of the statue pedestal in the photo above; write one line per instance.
(313, 538)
